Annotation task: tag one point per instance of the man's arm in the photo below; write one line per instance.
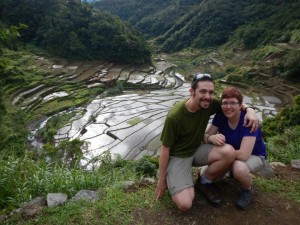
(163, 165)
(251, 119)
(211, 136)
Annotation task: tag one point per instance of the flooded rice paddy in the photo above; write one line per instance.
(129, 124)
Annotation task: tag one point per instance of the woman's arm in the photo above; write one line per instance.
(211, 136)
(246, 148)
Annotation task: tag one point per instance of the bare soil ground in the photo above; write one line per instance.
(265, 208)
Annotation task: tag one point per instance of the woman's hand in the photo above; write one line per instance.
(217, 139)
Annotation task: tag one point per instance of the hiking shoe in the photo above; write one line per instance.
(209, 192)
(245, 199)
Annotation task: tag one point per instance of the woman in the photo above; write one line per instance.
(227, 127)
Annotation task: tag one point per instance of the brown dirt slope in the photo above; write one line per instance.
(265, 208)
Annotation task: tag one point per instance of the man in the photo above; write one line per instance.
(182, 146)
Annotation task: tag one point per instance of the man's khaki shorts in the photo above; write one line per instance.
(179, 172)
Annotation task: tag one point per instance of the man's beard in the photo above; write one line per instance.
(204, 104)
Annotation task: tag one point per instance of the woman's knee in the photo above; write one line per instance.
(228, 152)
(225, 152)
(239, 168)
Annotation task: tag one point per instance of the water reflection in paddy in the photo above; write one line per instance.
(130, 124)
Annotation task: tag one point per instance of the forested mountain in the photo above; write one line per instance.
(152, 18)
(179, 24)
(73, 29)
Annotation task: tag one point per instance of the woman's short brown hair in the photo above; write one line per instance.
(232, 92)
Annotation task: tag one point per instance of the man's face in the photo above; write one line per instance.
(203, 95)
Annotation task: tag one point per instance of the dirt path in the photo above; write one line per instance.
(265, 208)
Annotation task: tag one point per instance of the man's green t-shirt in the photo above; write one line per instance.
(183, 130)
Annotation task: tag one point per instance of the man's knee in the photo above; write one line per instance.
(184, 205)
(184, 199)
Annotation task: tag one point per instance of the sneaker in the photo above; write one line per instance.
(209, 192)
(245, 199)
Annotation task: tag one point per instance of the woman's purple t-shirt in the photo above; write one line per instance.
(234, 136)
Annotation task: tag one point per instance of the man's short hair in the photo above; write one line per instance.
(201, 77)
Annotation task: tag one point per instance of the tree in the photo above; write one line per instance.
(9, 36)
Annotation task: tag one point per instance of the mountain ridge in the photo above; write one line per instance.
(210, 23)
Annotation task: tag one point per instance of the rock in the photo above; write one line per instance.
(148, 180)
(295, 164)
(266, 172)
(276, 164)
(30, 211)
(35, 201)
(56, 199)
(85, 195)
(15, 211)
(32, 208)
(3, 217)
(129, 186)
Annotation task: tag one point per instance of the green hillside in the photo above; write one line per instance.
(182, 24)
(74, 30)
(152, 18)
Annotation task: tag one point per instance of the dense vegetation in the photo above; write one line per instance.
(283, 133)
(180, 24)
(152, 18)
(74, 30)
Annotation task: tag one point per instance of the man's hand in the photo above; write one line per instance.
(160, 189)
(251, 120)
(163, 165)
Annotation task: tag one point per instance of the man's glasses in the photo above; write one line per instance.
(201, 76)
(229, 103)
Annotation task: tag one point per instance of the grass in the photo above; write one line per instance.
(289, 190)
(25, 178)
(116, 208)
(265, 51)
(134, 121)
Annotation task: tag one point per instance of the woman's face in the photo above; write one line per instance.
(231, 107)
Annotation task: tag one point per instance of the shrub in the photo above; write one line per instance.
(67, 152)
(289, 66)
(235, 78)
(145, 167)
(284, 147)
(288, 117)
